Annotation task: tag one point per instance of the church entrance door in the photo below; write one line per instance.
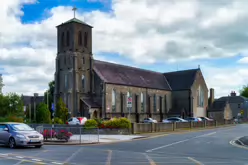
(94, 114)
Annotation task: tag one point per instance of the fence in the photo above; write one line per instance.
(163, 127)
(75, 134)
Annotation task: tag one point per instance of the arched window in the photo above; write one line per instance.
(85, 39)
(79, 38)
(142, 102)
(129, 96)
(68, 38)
(83, 82)
(83, 61)
(154, 103)
(200, 97)
(113, 100)
(66, 81)
(63, 39)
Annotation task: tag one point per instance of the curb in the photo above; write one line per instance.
(68, 144)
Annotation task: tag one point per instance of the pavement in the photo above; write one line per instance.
(191, 148)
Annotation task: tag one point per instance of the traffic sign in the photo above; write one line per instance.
(53, 107)
(129, 102)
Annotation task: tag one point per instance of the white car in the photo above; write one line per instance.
(76, 121)
(174, 119)
(150, 120)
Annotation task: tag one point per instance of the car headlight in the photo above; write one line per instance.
(41, 137)
(21, 136)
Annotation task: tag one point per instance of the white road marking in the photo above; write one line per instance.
(19, 157)
(150, 160)
(195, 161)
(208, 134)
(3, 154)
(73, 155)
(108, 162)
(37, 160)
(56, 163)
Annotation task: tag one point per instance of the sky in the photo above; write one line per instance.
(159, 35)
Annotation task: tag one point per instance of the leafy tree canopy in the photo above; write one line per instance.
(61, 110)
(43, 114)
(244, 91)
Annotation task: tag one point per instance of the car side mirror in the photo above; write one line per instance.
(6, 129)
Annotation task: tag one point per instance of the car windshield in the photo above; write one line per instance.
(21, 127)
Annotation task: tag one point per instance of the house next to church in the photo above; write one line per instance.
(94, 88)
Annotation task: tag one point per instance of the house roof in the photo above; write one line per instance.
(218, 105)
(181, 80)
(131, 76)
(233, 99)
(91, 102)
(76, 21)
(30, 99)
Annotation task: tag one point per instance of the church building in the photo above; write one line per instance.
(93, 88)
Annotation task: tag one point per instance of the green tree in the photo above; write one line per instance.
(43, 114)
(61, 110)
(14, 105)
(3, 105)
(49, 93)
(244, 91)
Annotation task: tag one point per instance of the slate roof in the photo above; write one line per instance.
(90, 102)
(218, 105)
(181, 80)
(233, 99)
(30, 99)
(75, 20)
(130, 76)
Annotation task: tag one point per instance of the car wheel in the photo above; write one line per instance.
(12, 143)
(39, 146)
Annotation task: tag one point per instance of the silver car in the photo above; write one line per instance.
(19, 134)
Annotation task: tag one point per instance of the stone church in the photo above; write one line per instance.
(94, 88)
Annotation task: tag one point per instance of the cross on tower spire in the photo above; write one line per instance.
(74, 10)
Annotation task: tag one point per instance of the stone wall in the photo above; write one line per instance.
(121, 95)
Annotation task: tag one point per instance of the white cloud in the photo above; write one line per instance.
(145, 31)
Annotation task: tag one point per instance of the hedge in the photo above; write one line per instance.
(115, 123)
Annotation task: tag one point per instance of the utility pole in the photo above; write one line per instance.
(47, 94)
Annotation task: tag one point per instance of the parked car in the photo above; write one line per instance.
(193, 119)
(19, 134)
(149, 120)
(174, 119)
(206, 119)
(76, 121)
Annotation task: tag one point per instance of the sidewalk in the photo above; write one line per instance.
(92, 139)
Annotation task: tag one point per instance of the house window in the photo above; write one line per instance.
(128, 96)
(80, 38)
(83, 82)
(63, 39)
(154, 103)
(142, 102)
(85, 39)
(200, 97)
(66, 81)
(113, 101)
(68, 38)
(165, 104)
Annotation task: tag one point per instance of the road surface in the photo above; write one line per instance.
(202, 147)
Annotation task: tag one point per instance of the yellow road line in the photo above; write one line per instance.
(150, 160)
(108, 162)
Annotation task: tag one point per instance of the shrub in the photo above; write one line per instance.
(99, 122)
(58, 121)
(48, 134)
(121, 123)
(91, 123)
(14, 119)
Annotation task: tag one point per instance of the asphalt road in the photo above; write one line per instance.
(204, 147)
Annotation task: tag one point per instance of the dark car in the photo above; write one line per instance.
(19, 134)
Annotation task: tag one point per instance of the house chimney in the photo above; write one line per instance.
(233, 93)
(211, 98)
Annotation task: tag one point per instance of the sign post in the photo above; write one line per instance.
(129, 106)
(53, 108)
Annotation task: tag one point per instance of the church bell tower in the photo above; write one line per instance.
(74, 63)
